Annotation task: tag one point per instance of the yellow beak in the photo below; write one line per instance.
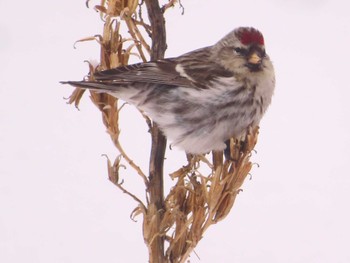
(254, 59)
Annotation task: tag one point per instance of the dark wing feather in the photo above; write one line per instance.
(197, 71)
(201, 68)
(158, 72)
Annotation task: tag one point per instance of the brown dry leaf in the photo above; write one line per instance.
(215, 190)
(97, 38)
(150, 224)
(113, 170)
(100, 8)
(76, 97)
(138, 211)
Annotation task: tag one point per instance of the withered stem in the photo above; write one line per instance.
(156, 187)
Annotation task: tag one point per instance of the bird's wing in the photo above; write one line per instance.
(157, 72)
(199, 67)
(193, 70)
(162, 72)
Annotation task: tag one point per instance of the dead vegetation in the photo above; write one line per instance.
(172, 225)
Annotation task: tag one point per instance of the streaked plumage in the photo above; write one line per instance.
(202, 98)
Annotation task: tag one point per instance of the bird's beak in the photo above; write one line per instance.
(254, 59)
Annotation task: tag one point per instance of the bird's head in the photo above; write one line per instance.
(241, 51)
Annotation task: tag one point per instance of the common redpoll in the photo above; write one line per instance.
(202, 98)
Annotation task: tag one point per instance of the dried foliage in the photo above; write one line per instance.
(196, 201)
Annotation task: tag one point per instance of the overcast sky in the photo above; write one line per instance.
(56, 203)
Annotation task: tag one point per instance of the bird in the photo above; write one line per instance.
(200, 99)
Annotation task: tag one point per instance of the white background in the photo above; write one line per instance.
(56, 203)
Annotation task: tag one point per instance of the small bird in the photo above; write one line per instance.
(202, 98)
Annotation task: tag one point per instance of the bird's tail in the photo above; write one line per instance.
(91, 85)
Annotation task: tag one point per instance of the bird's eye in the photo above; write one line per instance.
(239, 51)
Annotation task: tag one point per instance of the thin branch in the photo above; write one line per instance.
(156, 187)
(130, 162)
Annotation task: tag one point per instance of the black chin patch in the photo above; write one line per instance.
(254, 67)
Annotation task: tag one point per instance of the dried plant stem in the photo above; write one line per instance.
(113, 176)
(130, 162)
(135, 34)
(156, 187)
